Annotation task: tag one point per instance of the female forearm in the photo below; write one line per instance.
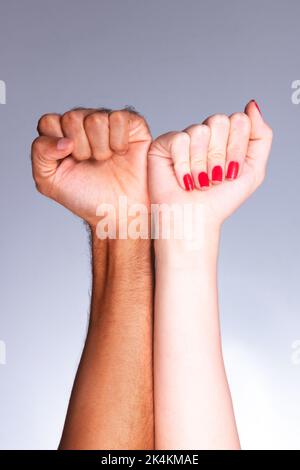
(193, 408)
(112, 400)
(214, 167)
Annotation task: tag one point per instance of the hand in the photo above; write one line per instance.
(88, 156)
(189, 166)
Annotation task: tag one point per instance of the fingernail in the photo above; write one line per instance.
(232, 170)
(203, 179)
(63, 144)
(188, 182)
(217, 173)
(257, 107)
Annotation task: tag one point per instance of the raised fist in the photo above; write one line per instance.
(87, 157)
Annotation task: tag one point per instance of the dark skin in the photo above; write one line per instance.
(104, 156)
(111, 402)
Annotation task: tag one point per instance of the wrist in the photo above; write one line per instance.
(120, 258)
(122, 274)
(193, 253)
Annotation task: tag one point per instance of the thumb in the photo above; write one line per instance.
(138, 129)
(260, 141)
(174, 148)
(46, 153)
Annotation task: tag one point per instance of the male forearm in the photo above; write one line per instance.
(112, 400)
(193, 408)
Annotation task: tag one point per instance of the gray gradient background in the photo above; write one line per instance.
(176, 62)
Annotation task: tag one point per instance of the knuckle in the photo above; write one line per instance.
(132, 111)
(204, 130)
(72, 118)
(240, 119)
(45, 121)
(118, 116)
(201, 131)
(219, 120)
(181, 138)
(96, 119)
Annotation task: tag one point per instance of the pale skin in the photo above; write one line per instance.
(81, 159)
(193, 407)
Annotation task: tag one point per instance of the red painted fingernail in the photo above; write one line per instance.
(257, 107)
(188, 182)
(203, 179)
(217, 173)
(232, 170)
